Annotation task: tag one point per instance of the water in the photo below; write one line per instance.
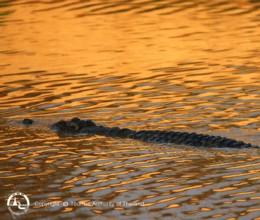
(180, 65)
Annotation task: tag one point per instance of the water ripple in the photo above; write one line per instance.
(142, 64)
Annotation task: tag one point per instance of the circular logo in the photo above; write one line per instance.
(18, 203)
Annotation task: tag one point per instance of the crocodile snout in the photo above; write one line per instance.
(27, 121)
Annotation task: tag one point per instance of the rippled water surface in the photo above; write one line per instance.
(169, 65)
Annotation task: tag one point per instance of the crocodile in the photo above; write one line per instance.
(78, 126)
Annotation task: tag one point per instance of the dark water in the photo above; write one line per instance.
(181, 65)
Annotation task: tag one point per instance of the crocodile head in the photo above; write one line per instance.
(73, 126)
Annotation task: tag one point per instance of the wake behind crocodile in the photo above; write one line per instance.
(77, 126)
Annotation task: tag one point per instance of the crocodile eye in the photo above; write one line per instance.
(90, 123)
(75, 120)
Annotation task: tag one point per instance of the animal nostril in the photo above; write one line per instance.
(27, 121)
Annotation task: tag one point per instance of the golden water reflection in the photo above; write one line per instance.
(184, 65)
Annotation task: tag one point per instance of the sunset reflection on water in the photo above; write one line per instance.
(169, 65)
